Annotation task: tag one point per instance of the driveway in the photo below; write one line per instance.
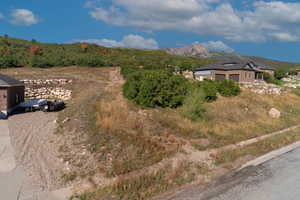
(14, 183)
(277, 179)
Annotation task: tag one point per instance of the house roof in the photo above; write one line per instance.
(7, 81)
(263, 66)
(235, 65)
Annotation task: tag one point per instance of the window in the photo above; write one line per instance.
(17, 98)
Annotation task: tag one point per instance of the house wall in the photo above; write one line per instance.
(269, 71)
(203, 75)
(244, 75)
(15, 95)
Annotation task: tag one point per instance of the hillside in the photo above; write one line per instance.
(20, 53)
(119, 148)
(197, 50)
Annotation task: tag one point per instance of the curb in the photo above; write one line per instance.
(271, 155)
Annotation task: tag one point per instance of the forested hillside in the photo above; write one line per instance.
(20, 53)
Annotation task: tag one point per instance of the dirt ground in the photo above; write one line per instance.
(32, 136)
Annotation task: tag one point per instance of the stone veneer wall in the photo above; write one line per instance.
(47, 89)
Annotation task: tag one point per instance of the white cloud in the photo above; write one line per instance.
(129, 41)
(218, 46)
(260, 22)
(1, 16)
(286, 37)
(23, 17)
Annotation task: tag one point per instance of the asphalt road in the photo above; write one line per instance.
(278, 179)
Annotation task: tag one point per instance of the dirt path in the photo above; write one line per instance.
(35, 148)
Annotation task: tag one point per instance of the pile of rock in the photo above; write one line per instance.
(47, 89)
(263, 88)
(292, 81)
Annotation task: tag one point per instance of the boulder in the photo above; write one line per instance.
(274, 113)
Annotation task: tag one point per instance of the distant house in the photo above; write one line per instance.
(294, 72)
(237, 71)
(11, 94)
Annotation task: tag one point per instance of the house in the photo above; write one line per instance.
(243, 72)
(264, 68)
(12, 92)
(294, 73)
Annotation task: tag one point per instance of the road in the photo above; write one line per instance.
(278, 179)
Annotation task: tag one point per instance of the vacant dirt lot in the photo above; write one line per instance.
(32, 136)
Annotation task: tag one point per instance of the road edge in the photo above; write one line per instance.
(271, 155)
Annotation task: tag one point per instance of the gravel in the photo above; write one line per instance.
(36, 148)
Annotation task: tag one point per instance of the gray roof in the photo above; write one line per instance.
(263, 66)
(7, 81)
(235, 65)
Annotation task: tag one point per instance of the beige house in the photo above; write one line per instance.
(243, 72)
(11, 94)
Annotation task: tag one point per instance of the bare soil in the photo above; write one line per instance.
(32, 136)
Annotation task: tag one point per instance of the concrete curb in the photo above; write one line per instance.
(270, 156)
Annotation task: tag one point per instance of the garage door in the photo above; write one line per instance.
(220, 77)
(234, 77)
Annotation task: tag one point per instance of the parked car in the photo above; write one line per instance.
(41, 104)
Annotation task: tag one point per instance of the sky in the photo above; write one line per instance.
(264, 28)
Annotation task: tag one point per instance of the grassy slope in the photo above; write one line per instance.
(125, 140)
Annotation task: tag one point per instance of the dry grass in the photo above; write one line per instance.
(126, 139)
(230, 120)
(258, 148)
(145, 186)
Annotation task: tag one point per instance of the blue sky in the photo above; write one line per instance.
(261, 28)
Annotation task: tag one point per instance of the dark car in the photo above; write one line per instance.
(41, 104)
(51, 106)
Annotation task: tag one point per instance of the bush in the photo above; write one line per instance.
(228, 88)
(40, 61)
(89, 60)
(156, 89)
(270, 79)
(8, 61)
(192, 108)
(280, 74)
(210, 89)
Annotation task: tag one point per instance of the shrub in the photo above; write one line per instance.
(156, 89)
(40, 61)
(228, 88)
(89, 60)
(210, 90)
(280, 74)
(8, 61)
(192, 108)
(270, 79)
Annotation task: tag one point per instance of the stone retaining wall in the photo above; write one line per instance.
(263, 88)
(47, 89)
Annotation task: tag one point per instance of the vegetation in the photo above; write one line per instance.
(258, 148)
(156, 89)
(228, 88)
(123, 140)
(19, 53)
(272, 79)
(145, 186)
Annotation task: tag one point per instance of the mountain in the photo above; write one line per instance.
(193, 50)
(198, 50)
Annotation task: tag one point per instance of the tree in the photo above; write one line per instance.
(84, 47)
